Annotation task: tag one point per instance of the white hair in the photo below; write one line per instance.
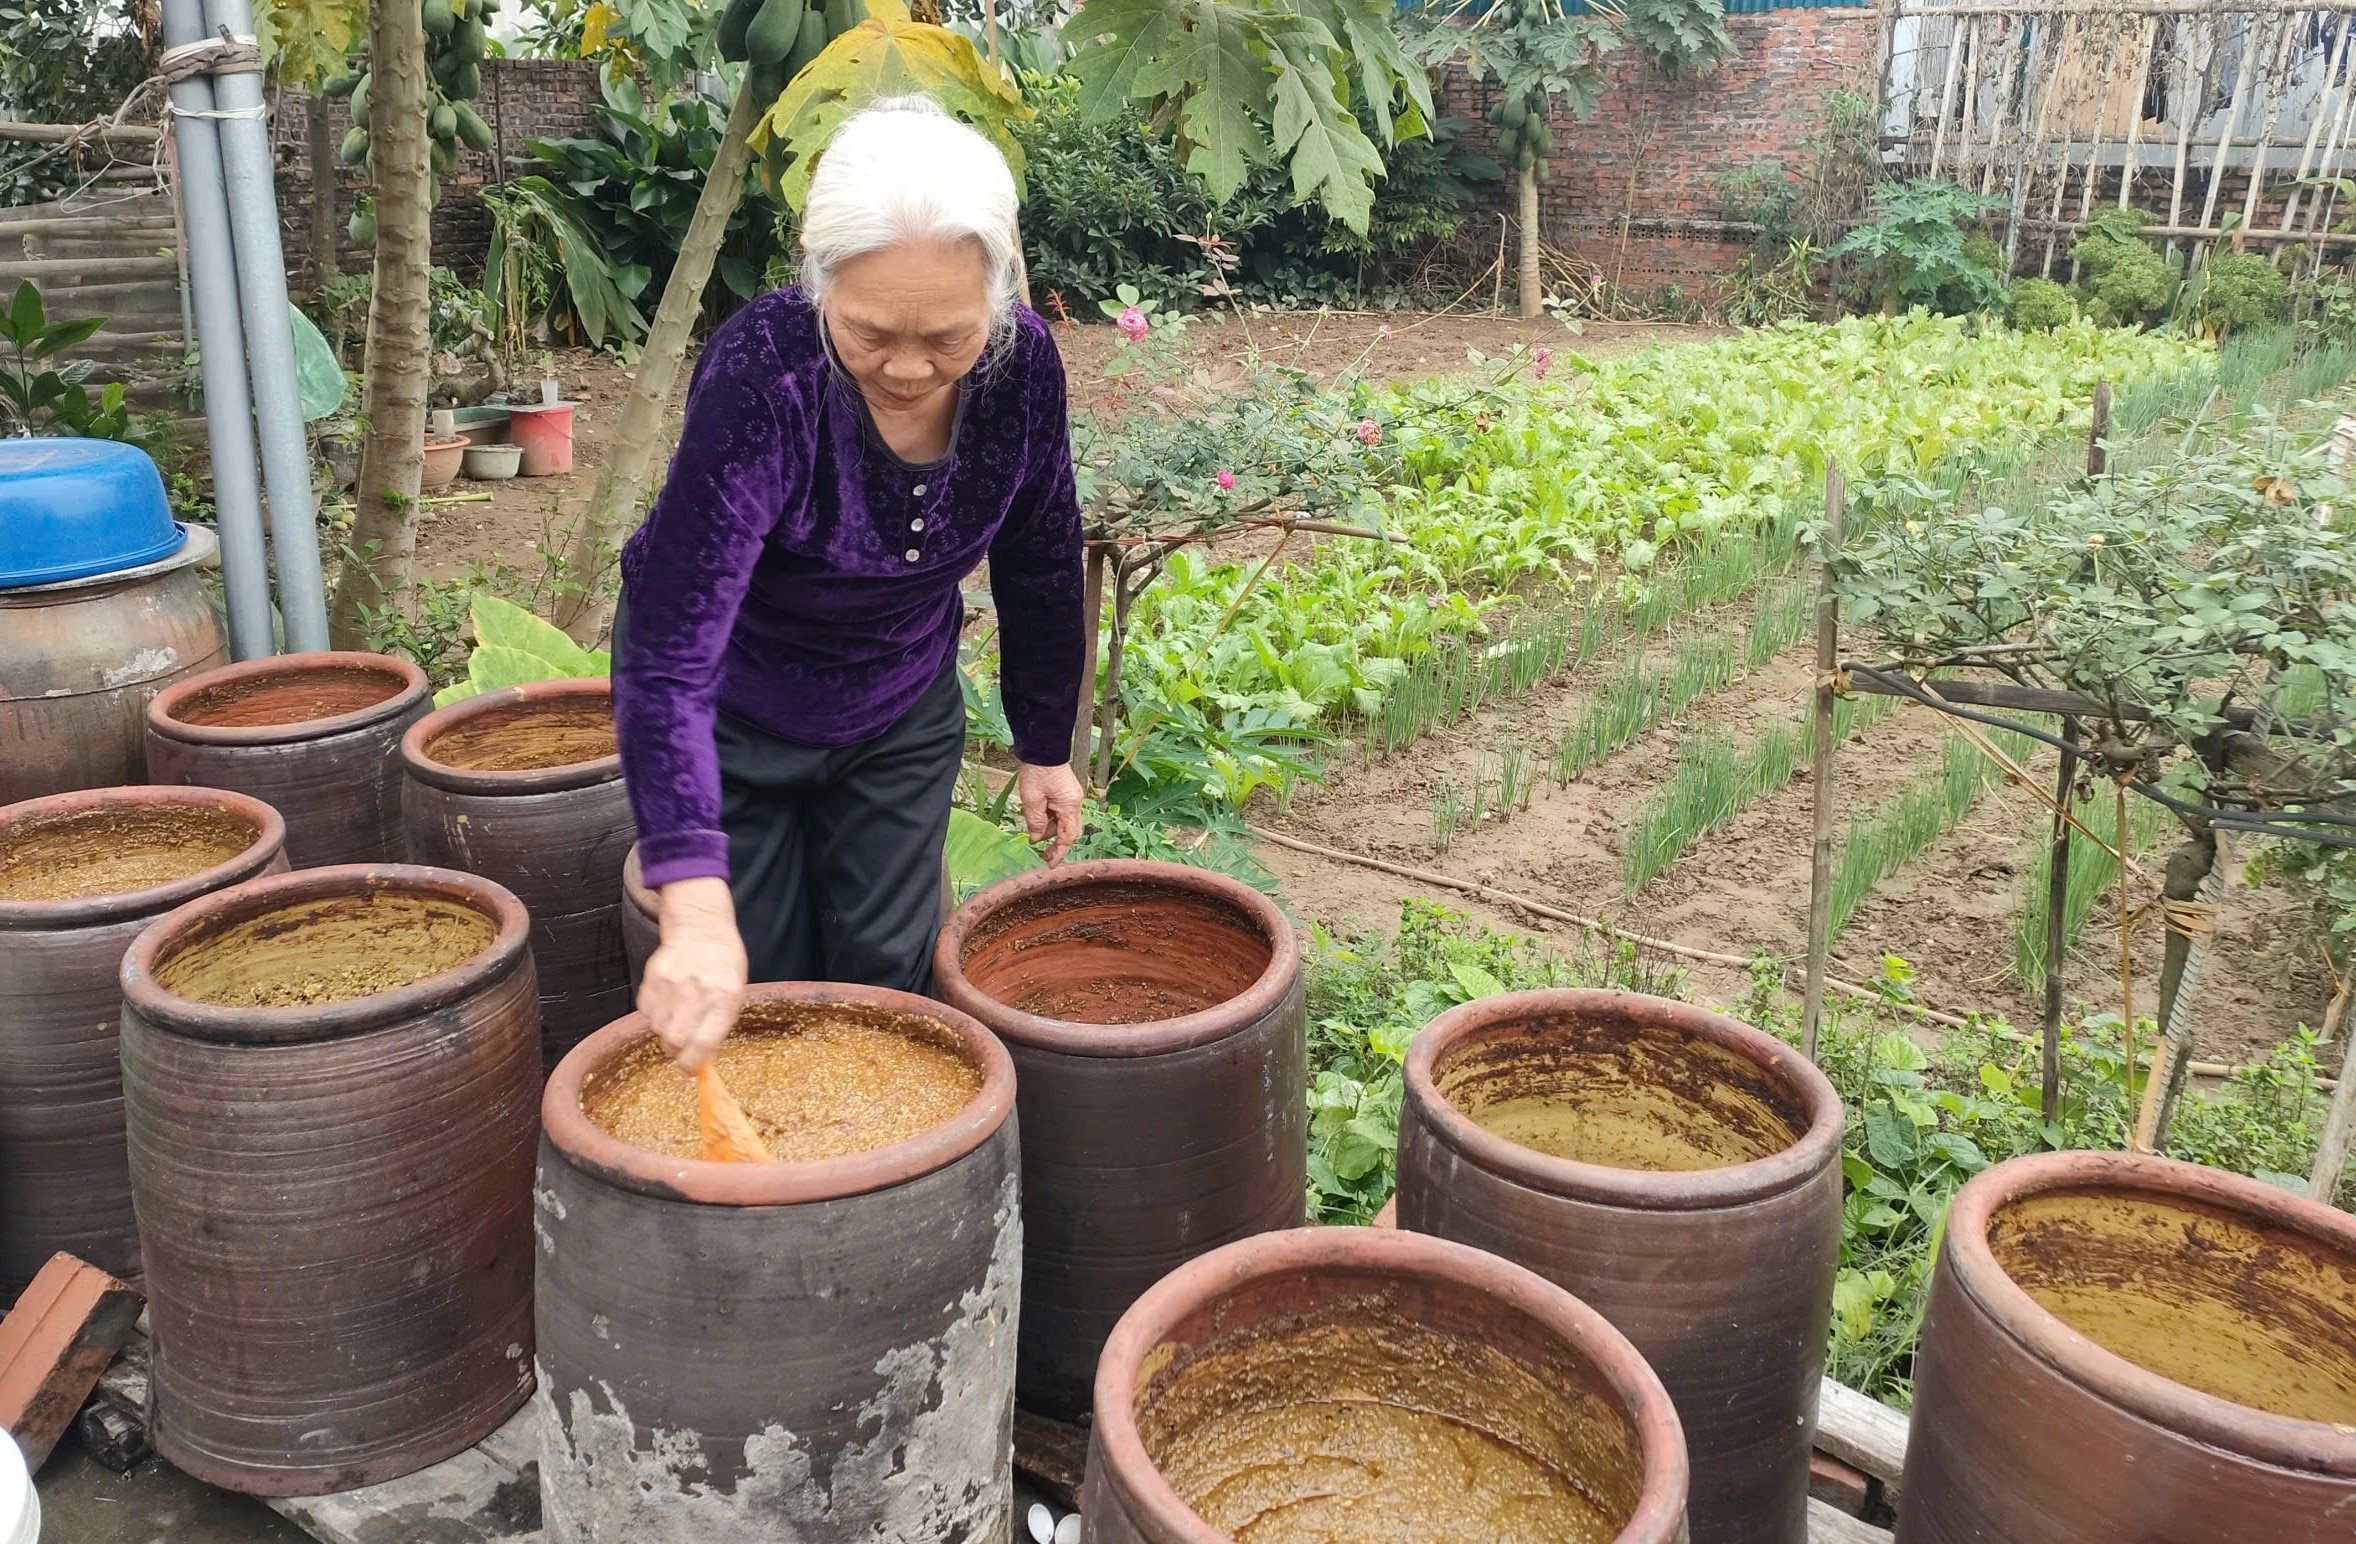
(902, 169)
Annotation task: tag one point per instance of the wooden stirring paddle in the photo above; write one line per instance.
(728, 1136)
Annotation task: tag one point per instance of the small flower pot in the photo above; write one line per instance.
(442, 459)
(493, 463)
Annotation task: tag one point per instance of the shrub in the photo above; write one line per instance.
(2126, 278)
(2040, 305)
(2238, 289)
(1914, 251)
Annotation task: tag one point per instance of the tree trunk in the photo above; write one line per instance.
(1092, 610)
(622, 481)
(324, 161)
(2339, 1126)
(1533, 279)
(393, 380)
(2188, 870)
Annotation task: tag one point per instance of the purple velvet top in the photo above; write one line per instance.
(798, 575)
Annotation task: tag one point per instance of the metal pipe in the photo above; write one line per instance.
(269, 339)
(212, 276)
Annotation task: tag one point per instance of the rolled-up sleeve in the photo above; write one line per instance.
(743, 460)
(1035, 577)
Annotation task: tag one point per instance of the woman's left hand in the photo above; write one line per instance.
(1051, 801)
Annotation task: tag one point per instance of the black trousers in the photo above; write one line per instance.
(834, 854)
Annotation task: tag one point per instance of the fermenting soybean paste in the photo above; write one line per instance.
(530, 738)
(816, 1082)
(114, 851)
(1377, 1433)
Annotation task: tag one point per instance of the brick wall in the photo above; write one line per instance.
(1656, 146)
(521, 99)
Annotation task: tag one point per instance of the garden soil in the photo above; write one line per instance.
(1743, 889)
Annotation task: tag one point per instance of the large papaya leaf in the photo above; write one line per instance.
(305, 41)
(982, 853)
(888, 54)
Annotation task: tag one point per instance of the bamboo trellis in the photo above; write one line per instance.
(2223, 119)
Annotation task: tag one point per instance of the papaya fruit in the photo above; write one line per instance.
(1517, 112)
(766, 81)
(733, 22)
(362, 228)
(809, 45)
(355, 147)
(438, 18)
(360, 99)
(442, 156)
(337, 87)
(471, 127)
(442, 122)
(842, 16)
(466, 82)
(775, 29)
(467, 40)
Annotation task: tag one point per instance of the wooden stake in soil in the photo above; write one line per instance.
(1092, 625)
(2057, 895)
(2339, 1128)
(1828, 661)
(2126, 953)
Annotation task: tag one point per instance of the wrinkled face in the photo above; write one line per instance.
(910, 320)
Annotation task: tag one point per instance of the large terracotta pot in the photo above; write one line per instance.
(642, 925)
(80, 658)
(817, 1351)
(80, 875)
(1370, 1384)
(1154, 1013)
(334, 1189)
(1689, 1191)
(524, 786)
(315, 736)
(2131, 1350)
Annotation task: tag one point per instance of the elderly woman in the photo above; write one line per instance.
(785, 681)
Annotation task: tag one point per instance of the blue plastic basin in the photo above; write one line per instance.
(70, 508)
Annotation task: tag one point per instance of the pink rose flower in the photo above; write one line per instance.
(1226, 479)
(1370, 433)
(1542, 362)
(1383, 332)
(1133, 324)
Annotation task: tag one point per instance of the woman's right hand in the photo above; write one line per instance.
(695, 978)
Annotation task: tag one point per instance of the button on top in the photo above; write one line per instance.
(913, 554)
(918, 490)
(916, 525)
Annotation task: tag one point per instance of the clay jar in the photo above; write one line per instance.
(1155, 1017)
(1326, 1379)
(315, 736)
(642, 926)
(817, 1350)
(2131, 1350)
(80, 875)
(1675, 1170)
(524, 786)
(331, 1079)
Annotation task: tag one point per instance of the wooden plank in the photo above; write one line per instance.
(1861, 1432)
(45, 272)
(1053, 1453)
(469, 1499)
(516, 1444)
(1827, 1525)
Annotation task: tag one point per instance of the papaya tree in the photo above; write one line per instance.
(803, 76)
(1542, 52)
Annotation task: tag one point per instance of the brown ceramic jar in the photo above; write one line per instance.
(642, 924)
(2130, 1350)
(65, 1182)
(315, 736)
(332, 1081)
(1155, 1017)
(1264, 1375)
(524, 786)
(1675, 1170)
(820, 1351)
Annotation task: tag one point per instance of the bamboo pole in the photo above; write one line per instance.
(2127, 955)
(2317, 129)
(2184, 102)
(1968, 107)
(1828, 662)
(2214, 232)
(2102, 107)
(2061, 191)
(2057, 893)
(2335, 145)
(2130, 8)
(2339, 1126)
(2045, 100)
(2241, 91)
(1947, 96)
(2011, 88)
(2275, 84)
(2151, 33)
